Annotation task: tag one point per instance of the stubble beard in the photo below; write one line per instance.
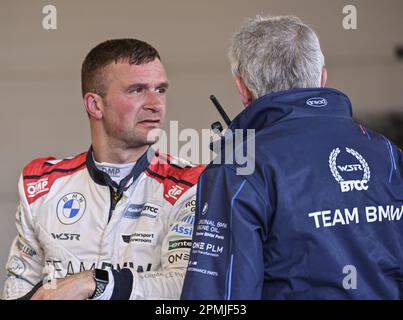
(132, 139)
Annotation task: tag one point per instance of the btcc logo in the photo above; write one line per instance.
(350, 184)
(353, 185)
(150, 210)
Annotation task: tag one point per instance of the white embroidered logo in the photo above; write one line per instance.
(350, 185)
(34, 188)
(175, 192)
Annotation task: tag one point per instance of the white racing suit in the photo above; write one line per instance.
(72, 217)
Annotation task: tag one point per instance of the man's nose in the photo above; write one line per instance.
(154, 101)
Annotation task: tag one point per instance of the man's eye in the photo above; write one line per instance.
(136, 90)
(161, 90)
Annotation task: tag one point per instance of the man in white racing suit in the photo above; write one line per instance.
(115, 222)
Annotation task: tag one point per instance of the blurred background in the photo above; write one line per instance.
(41, 108)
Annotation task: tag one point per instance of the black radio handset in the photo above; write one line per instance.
(216, 126)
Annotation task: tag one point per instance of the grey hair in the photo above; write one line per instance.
(274, 54)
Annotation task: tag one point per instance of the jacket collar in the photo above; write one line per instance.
(103, 178)
(292, 104)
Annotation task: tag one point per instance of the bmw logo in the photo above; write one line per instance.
(71, 208)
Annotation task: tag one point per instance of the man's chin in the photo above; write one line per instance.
(144, 143)
(153, 136)
(151, 142)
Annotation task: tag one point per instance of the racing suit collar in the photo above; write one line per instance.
(102, 178)
(292, 104)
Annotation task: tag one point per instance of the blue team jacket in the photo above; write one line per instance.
(320, 216)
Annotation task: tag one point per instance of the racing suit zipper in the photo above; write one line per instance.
(115, 197)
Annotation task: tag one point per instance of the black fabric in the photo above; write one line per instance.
(103, 178)
(123, 284)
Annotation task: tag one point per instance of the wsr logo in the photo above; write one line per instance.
(316, 102)
(350, 184)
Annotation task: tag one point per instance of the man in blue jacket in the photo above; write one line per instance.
(321, 215)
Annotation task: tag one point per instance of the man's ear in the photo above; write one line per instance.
(94, 105)
(244, 92)
(323, 78)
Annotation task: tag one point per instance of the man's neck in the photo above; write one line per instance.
(117, 155)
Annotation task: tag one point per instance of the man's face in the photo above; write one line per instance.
(135, 102)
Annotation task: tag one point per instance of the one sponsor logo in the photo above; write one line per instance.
(178, 257)
(111, 171)
(26, 250)
(175, 192)
(16, 266)
(207, 247)
(37, 187)
(350, 168)
(189, 219)
(179, 244)
(134, 211)
(150, 210)
(350, 184)
(317, 102)
(140, 238)
(205, 208)
(71, 208)
(182, 230)
(66, 236)
(191, 204)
